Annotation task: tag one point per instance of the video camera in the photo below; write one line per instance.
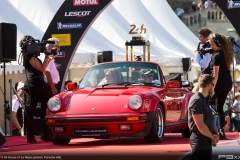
(34, 46)
(203, 51)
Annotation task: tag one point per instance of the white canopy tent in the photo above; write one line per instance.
(170, 39)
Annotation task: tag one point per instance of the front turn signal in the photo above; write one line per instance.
(50, 121)
(132, 118)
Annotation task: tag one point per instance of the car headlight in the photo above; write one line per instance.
(54, 104)
(135, 102)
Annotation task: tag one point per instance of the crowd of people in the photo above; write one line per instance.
(202, 4)
(215, 105)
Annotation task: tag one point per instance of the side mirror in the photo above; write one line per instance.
(72, 86)
(172, 84)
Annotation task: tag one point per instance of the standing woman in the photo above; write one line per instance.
(222, 59)
(35, 90)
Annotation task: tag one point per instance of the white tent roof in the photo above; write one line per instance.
(170, 39)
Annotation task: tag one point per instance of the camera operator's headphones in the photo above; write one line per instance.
(26, 40)
(216, 38)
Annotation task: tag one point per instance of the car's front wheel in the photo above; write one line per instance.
(156, 134)
(61, 141)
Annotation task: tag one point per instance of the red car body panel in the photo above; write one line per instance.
(107, 106)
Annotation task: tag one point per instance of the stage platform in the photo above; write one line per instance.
(173, 147)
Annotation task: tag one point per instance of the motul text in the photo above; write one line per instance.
(85, 2)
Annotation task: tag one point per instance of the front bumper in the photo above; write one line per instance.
(139, 128)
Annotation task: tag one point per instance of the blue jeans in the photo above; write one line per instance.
(216, 122)
(236, 124)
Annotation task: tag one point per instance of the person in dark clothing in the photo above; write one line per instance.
(35, 90)
(222, 58)
(204, 60)
(200, 121)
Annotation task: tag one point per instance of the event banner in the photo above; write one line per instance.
(231, 9)
(69, 25)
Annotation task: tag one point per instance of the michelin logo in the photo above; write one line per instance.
(233, 4)
(68, 25)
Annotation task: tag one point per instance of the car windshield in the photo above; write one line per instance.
(122, 73)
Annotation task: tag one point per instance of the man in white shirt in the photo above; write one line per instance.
(208, 4)
(51, 73)
(204, 60)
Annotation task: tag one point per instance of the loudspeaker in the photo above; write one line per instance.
(8, 41)
(104, 56)
(186, 64)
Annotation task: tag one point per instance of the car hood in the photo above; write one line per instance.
(103, 100)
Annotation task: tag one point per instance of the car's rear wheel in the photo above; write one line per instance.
(156, 134)
(186, 133)
(61, 141)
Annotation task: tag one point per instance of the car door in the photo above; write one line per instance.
(174, 102)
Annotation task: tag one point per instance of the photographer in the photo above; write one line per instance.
(222, 58)
(203, 58)
(51, 72)
(35, 88)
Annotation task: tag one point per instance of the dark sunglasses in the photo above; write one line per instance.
(149, 75)
(57, 46)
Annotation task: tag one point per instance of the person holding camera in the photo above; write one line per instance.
(35, 88)
(222, 58)
(51, 72)
(203, 57)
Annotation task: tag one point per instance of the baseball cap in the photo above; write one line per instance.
(145, 71)
(20, 85)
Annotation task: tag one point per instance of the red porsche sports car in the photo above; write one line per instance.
(120, 99)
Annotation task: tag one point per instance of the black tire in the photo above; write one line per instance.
(156, 134)
(61, 141)
(186, 133)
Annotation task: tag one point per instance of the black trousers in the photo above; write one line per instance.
(201, 147)
(222, 88)
(31, 97)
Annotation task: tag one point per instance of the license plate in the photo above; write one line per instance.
(91, 132)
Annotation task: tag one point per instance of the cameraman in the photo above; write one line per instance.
(35, 90)
(51, 72)
(204, 59)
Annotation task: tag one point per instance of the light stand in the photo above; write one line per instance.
(4, 94)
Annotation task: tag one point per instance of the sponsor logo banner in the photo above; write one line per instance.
(60, 54)
(68, 25)
(64, 39)
(85, 2)
(78, 14)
